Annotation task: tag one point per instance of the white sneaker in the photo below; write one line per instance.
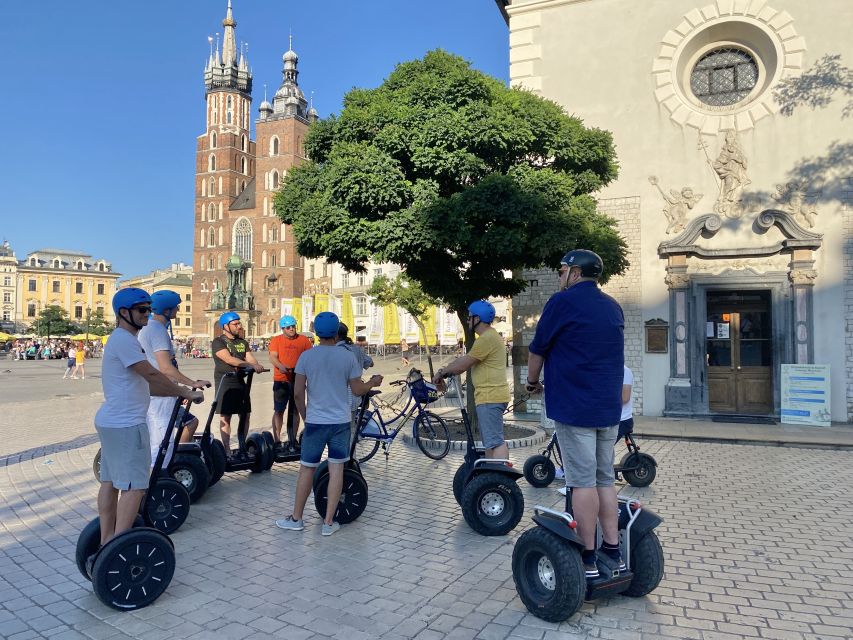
(559, 473)
(290, 524)
(561, 491)
(329, 529)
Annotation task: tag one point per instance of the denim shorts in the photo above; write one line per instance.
(125, 457)
(280, 395)
(317, 436)
(587, 454)
(490, 417)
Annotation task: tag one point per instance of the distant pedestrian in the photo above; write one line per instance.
(404, 352)
(79, 362)
(70, 363)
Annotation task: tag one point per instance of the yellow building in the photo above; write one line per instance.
(8, 286)
(69, 279)
(178, 278)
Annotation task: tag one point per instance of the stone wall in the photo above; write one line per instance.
(847, 214)
(626, 289)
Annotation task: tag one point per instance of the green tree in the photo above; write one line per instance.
(448, 173)
(98, 324)
(53, 321)
(408, 294)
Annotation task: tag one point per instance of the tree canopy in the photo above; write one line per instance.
(53, 321)
(448, 173)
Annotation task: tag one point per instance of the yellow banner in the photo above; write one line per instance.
(392, 325)
(429, 324)
(296, 312)
(321, 303)
(347, 316)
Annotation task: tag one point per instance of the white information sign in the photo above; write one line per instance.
(805, 394)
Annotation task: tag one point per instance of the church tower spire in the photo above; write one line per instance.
(228, 71)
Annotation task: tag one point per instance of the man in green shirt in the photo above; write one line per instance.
(487, 361)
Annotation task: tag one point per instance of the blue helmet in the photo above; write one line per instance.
(326, 325)
(162, 302)
(129, 297)
(228, 316)
(287, 321)
(483, 309)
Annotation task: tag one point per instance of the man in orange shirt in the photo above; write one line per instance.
(285, 350)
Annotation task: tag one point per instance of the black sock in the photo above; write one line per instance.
(612, 551)
(588, 556)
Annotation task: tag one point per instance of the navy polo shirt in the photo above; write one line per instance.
(581, 337)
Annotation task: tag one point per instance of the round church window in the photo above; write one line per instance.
(724, 76)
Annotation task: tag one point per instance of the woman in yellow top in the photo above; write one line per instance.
(80, 362)
(487, 361)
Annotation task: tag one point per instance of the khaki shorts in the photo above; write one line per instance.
(587, 454)
(125, 456)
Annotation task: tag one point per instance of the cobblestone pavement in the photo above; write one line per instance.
(757, 543)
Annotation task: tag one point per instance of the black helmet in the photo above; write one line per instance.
(590, 263)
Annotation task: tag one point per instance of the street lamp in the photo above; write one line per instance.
(88, 321)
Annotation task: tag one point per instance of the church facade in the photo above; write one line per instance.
(734, 135)
(244, 258)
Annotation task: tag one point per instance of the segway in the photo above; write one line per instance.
(252, 452)
(289, 451)
(638, 469)
(548, 570)
(188, 465)
(135, 567)
(353, 499)
(486, 488)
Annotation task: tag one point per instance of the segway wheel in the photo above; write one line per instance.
(270, 442)
(432, 435)
(191, 472)
(646, 564)
(134, 569)
(257, 449)
(96, 466)
(492, 504)
(539, 471)
(353, 497)
(548, 575)
(167, 505)
(218, 461)
(89, 542)
(458, 480)
(640, 469)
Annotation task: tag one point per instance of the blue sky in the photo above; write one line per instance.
(103, 101)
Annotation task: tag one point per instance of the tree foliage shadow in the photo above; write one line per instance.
(817, 87)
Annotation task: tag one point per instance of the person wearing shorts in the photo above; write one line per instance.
(285, 350)
(128, 381)
(487, 362)
(580, 341)
(327, 373)
(70, 362)
(156, 341)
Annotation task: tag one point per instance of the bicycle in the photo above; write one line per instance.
(429, 431)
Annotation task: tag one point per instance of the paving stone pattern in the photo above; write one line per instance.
(757, 543)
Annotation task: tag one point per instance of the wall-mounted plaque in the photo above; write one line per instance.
(657, 336)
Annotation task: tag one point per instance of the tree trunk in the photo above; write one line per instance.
(469, 383)
(422, 328)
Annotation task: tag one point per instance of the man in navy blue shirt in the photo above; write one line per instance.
(580, 340)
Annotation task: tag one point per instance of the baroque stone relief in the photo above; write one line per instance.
(678, 203)
(763, 265)
(730, 166)
(795, 199)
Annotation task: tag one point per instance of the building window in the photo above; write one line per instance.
(274, 233)
(210, 263)
(188, 322)
(359, 279)
(311, 272)
(274, 146)
(211, 237)
(212, 139)
(360, 305)
(243, 239)
(80, 265)
(31, 310)
(101, 266)
(78, 287)
(724, 76)
(377, 272)
(78, 312)
(345, 279)
(33, 262)
(243, 143)
(187, 297)
(273, 259)
(57, 264)
(55, 286)
(243, 166)
(31, 285)
(211, 188)
(7, 297)
(7, 281)
(274, 180)
(6, 316)
(272, 304)
(101, 289)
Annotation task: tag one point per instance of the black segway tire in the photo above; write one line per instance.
(218, 461)
(646, 564)
(134, 569)
(458, 481)
(432, 436)
(96, 466)
(167, 505)
(191, 472)
(353, 496)
(539, 471)
(89, 542)
(270, 442)
(639, 469)
(492, 504)
(548, 575)
(257, 449)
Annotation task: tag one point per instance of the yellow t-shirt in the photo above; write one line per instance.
(80, 356)
(489, 375)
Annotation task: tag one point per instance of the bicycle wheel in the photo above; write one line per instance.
(432, 436)
(365, 448)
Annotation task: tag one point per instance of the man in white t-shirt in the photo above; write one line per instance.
(128, 381)
(328, 373)
(626, 421)
(157, 343)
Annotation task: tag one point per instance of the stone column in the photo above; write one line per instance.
(678, 393)
(802, 276)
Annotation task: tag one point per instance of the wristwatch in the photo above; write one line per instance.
(532, 384)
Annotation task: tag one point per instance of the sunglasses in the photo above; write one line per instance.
(142, 309)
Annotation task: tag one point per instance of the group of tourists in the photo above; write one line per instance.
(578, 343)
(53, 349)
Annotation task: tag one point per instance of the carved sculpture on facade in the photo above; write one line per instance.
(795, 199)
(803, 276)
(678, 204)
(731, 167)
